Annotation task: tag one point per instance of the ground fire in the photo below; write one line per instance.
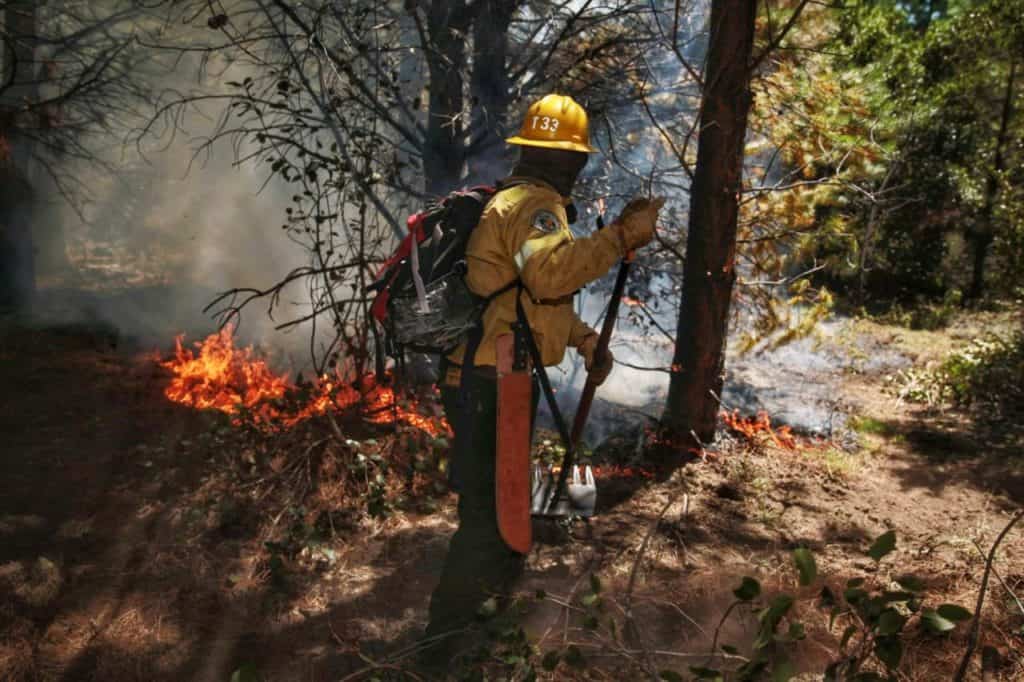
(760, 425)
(219, 375)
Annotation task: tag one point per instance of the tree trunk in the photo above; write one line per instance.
(17, 251)
(698, 363)
(445, 147)
(983, 234)
(489, 86)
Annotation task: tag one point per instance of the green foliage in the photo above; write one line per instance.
(805, 565)
(896, 138)
(885, 544)
(748, 590)
(986, 374)
(874, 622)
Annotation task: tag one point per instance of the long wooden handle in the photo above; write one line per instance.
(590, 387)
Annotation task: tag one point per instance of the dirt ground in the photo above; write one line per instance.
(124, 557)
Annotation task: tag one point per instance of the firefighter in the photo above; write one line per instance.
(523, 235)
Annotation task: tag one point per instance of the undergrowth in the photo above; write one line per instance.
(986, 376)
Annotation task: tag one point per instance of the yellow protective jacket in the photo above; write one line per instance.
(524, 233)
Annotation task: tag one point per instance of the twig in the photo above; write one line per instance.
(630, 621)
(718, 630)
(995, 572)
(972, 640)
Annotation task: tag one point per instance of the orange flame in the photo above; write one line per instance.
(220, 376)
(752, 427)
(632, 302)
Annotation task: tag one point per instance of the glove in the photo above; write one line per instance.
(635, 225)
(598, 368)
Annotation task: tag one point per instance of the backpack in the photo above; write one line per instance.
(422, 299)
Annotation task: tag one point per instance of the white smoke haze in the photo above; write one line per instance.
(181, 227)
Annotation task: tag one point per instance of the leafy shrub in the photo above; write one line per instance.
(987, 374)
(876, 621)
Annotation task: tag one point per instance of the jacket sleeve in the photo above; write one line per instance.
(551, 263)
(579, 332)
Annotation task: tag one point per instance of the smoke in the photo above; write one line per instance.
(172, 228)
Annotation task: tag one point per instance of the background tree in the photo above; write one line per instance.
(710, 273)
(71, 74)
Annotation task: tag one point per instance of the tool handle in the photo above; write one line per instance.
(603, 340)
(590, 387)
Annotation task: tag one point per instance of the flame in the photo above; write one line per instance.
(632, 302)
(217, 375)
(600, 206)
(751, 427)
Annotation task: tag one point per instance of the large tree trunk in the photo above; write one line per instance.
(489, 87)
(982, 235)
(17, 251)
(444, 152)
(698, 363)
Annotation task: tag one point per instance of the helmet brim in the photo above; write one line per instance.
(552, 144)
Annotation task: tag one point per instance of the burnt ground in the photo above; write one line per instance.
(128, 552)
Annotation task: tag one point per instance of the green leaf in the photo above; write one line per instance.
(890, 622)
(805, 565)
(748, 590)
(936, 623)
(889, 651)
(954, 613)
(885, 543)
(550, 660)
(670, 676)
(911, 583)
(826, 598)
(590, 599)
(595, 583)
(854, 595)
(699, 673)
(779, 607)
(896, 597)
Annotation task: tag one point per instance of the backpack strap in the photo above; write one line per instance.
(522, 327)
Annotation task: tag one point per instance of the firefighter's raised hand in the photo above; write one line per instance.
(635, 225)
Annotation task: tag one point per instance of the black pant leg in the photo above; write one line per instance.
(479, 563)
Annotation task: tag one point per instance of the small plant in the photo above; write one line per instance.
(876, 621)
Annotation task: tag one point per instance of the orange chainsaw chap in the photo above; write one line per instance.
(512, 479)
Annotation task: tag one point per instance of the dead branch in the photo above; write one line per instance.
(972, 638)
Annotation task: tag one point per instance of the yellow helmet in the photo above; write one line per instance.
(555, 122)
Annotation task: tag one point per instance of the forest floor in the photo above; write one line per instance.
(130, 549)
